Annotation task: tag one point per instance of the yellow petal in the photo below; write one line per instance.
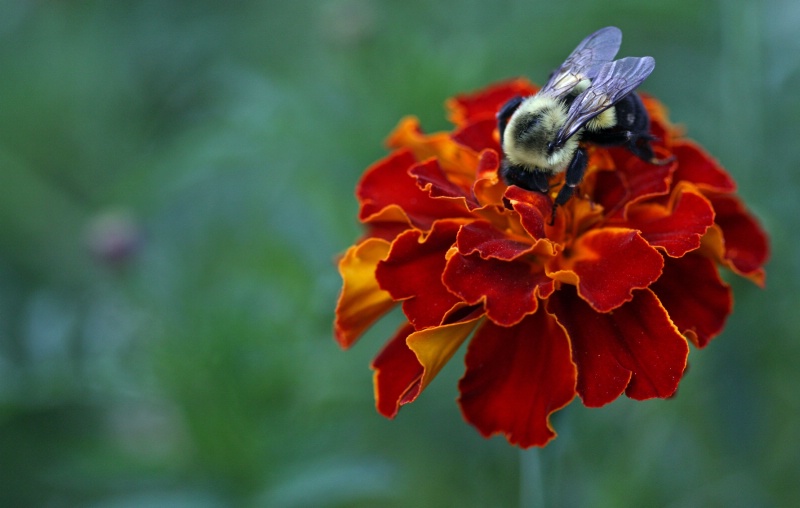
(435, 346)
(362, 301)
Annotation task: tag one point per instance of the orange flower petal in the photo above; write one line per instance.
(411, 360)
(607, 265)
(456, 160)
(413, 272)
(488, 187)
(435, 346)
(635, 349)
(697, 299)
(362, 301)
(516, 378)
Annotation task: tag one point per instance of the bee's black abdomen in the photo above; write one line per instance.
(632, 115)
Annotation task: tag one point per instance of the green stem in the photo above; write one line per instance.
(531, 486)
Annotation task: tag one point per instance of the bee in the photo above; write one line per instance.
(590, 98)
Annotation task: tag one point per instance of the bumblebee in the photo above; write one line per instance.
(590, 98)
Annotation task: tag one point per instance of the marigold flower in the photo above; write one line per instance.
(599, 303)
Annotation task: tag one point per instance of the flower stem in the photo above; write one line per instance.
(531, 487)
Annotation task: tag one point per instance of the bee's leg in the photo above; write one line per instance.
(505, 114)
(575, 171)
(525, 178)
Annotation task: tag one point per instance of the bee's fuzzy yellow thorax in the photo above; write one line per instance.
(529, 131)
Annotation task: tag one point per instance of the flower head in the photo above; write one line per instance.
(598, 303)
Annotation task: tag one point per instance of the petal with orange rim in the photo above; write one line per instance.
(643, 178)
(488, 101)
(661, 129)
(386, 230)
(746, 244)
(397, 376)
(435, 346)
(488, 187)
(676, 227)
(457, 161)
(697, 166)
(516, 378)
(534, 209)
(635, 349)
(432, 180)
(411, 360)
(607, 265)
(362, 301)
(483, 238)
(388, 193)
(640, 180)
(697, 299)
(509, 289)
(413, 272)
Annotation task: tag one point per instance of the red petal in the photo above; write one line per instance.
(362, 301)
(508, 289)
(385, 230)
(488, 187)
(746, 244)
(413, 272)
(639, 180)
(489, 242)
(432, 180)
(397, 374)
(457, 161)
(677, 227)
(697, 299)
(645, 179)
(479, 135)
(607, 265)
(388, 183)
(486, 102)
(516, 378)
(635, 349)
(660, 128)
(411, 360)
(697, 166)
(435, 346)
(534, 209)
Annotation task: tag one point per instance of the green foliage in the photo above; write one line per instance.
(176, 181)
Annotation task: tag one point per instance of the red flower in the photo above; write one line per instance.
(597, 304)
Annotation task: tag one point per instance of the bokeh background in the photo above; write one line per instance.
(176, 181)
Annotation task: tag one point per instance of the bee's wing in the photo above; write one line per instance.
(614, 81)
(584, 62)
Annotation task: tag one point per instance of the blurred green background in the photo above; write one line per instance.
(176, 181)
